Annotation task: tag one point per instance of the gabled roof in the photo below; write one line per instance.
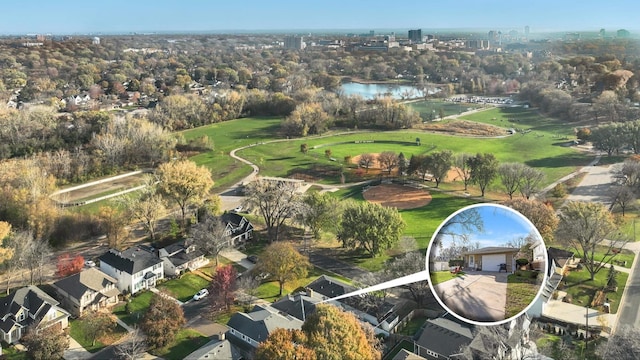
(445, 336)
(90, 279)
(559, 254)
(295, 305)
(405, 354)
(492, 250)
(215, 350)
(238, 223)
(31, 298)
(330, 287)
(261, 322)
(180, 253)
(132, 260)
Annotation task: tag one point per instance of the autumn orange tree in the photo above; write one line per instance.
(328, 333)
(284, 263)
(162, 321)
(69, 265)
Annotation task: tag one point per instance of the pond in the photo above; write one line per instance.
(370, 91)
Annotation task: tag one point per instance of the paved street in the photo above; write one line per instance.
(478, 296)
(628, 314)
(596, 185)
(336, 266)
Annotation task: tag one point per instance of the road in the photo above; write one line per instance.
(628, 311)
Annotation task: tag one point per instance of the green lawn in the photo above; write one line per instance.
(521, 290)
(541, 148)
(413, 326)
(76, 332)
(11, 353)
(186, 342)
(582, 289)
(618, 260)
(210, 269)
(269, 290)
(227, 136)
(438, 277)
(138, 306)
(184, 287)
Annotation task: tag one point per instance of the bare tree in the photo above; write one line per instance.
(148, 208)
(511, 176)
(210, 236)
(19, 243)
(388, 161)
(531, 181)
(134, 348)
(38, 254)
(460, 163)
(622, 196)
(276, 201)
(366, 160)
(247, 288)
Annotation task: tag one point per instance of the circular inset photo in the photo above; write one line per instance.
(487, 264)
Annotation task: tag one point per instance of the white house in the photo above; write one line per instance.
(237, 227)
(26, 307)
(181, 256)
(136, 269)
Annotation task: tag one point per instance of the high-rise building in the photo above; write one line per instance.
(415, 35)
(526, 31)
(294, 42)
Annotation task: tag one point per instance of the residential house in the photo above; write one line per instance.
(181, 256)
(505, 342)
(239, 229)
(254, 327)
(217, 349)
(137, 268)
(300, 305)
(382, 316)
(407, 355)
(29, 306)
(442, 338)
(491, 259)
(89, 289)
(559, 261)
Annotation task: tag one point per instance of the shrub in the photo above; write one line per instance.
(457, 262)
(559, 191)
(522, 261)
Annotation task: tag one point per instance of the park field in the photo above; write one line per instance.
(227, 136)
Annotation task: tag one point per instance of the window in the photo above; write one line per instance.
(431, 353)
(21, 316)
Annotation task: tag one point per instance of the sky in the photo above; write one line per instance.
(119, 16)
(500, 226)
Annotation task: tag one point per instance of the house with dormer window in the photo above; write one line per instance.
(137, 268)
(181, 256)
(29, 307)
(237, 227)
(90, 289)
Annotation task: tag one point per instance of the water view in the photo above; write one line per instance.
(370, 91)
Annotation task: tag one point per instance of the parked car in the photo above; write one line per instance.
(89, 263)
(252, 258)
(200, 294)
(238, 209)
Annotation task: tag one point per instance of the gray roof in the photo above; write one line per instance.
(261, 322)
(132, 260)
(215, 350)
(36, 301)
(444, 336)
(90, 279)
(405, 354)
(180, 253)
(492, 250)
(294, 305)
(234, 221)
(330, 287)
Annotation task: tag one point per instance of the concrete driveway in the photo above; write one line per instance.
(479, 295)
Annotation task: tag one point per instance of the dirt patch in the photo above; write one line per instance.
(463, 127)
(106, 187)
(398, 196)
(374, 164)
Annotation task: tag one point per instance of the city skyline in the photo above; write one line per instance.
(66, 17)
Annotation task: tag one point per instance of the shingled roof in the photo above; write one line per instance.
(90, 279)
(132, 260)
(445, 336)
(261, 322)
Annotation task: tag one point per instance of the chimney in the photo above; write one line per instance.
(221, 336)
(309, 292)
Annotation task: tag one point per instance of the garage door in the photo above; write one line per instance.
(492, 262)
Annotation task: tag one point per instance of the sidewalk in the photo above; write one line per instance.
(76, 351)
(238, 257)
(576, 314)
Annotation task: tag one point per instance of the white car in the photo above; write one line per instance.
(89, 263)
(238, 209)
(200, 294)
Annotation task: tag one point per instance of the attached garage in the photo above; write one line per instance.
(490, 258)
(492, 262)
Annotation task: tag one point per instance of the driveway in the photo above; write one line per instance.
(479, 296)
(596, 185)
